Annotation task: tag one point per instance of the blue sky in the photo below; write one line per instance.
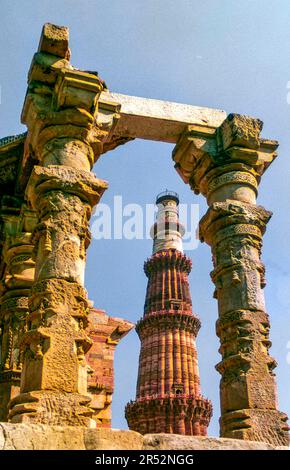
(223, 54)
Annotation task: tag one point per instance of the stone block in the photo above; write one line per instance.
(241, 130)
(54, 40)
(45, 67)
(113, 439)
(177, 442)
(43, 437)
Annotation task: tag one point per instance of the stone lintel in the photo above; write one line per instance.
(158, 120)
(193, 128)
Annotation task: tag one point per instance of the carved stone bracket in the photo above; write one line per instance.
(225, 161)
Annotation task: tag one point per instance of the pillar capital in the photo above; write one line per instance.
(61, 107)
(221, 163)
(66, 110)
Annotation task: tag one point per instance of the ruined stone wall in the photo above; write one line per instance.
(105, 333)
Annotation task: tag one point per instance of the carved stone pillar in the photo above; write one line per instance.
(65, 139)
(17, 278)
(226, 166)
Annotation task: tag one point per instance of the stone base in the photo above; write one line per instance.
(43, 437)
(256, 425)
(53, 408)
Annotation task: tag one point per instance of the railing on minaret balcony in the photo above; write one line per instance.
(168, 397)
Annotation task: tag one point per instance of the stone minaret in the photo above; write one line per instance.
(168, 397)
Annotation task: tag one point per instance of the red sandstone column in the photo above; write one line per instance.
(190, 364)
(161, 369)
(180, 423)
(169, 362)
(147, 371)
(142, 367)
(154, 363)
(197, 429)
(184, 361)
(176, 356)
(195, 368)
(146, 345)
(163, 290)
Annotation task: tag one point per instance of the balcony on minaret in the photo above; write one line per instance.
(178, 389)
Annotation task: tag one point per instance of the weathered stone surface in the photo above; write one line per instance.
(105, 333)
(170, 442)
(113, 439)
(203, 154)
(226, 167)
(43, 437)
(2, 438)
(40, 437)
(56, 342)
(11, 150)
(62, 191)
(71, 121)
(54, 40)
(45, 68)
(44, 339)
(17, 267)
(241, 130)
(158, 120)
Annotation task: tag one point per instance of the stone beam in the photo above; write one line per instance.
(158, 120)
(132, 117)
(124, 118)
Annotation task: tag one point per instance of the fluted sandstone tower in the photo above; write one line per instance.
(168, 397)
